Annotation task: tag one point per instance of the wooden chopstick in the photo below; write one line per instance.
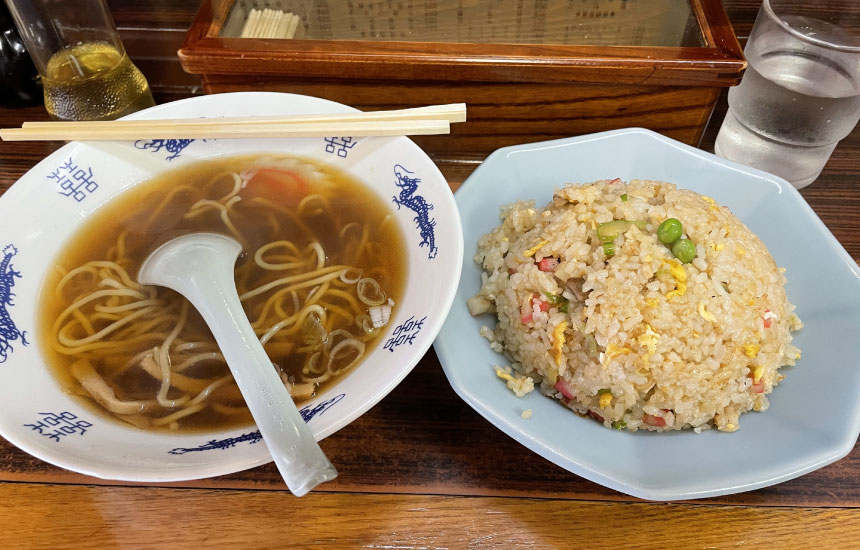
(67, 131)
(453, 112)
(434, 119)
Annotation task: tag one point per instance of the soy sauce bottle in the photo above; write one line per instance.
(19, 79)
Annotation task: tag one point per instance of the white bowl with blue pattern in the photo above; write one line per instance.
(48, 204)
(814, 417)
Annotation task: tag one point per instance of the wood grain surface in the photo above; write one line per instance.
(72, 517)
(718, 62)
(518, 93)
(421, 469)
(510, 113)
(421, 438)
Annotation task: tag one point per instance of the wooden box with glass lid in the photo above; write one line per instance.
(530, 70)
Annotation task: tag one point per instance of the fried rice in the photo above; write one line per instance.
(615, 327)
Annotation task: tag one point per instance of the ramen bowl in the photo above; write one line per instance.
(46, 208)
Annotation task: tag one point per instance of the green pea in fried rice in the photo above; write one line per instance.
(597, 312)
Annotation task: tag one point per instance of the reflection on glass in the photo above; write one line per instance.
(86, 74)
(568, 22)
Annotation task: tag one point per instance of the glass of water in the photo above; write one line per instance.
(800, 94)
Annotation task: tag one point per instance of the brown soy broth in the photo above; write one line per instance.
(142, 213)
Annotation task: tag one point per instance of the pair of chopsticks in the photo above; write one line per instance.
(434, 119)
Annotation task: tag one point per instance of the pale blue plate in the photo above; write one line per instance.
(814, 418)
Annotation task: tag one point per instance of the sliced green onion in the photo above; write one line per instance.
(591, 346)
(609, 248)
(624, 197)
(619, 425)
(610, 230)
(555, 299)
(603, 390)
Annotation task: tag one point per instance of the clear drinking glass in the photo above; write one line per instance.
(86, 74)
(800, 94)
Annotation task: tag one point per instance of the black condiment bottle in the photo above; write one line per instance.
(19, 79)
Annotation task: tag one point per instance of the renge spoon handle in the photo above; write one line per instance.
(200, 267)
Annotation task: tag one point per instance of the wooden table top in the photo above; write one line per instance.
(423, 470)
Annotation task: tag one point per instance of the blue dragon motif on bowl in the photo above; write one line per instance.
(9, 332)
(426, 225)
(307, 412)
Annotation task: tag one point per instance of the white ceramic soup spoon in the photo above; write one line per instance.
(200, 267)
